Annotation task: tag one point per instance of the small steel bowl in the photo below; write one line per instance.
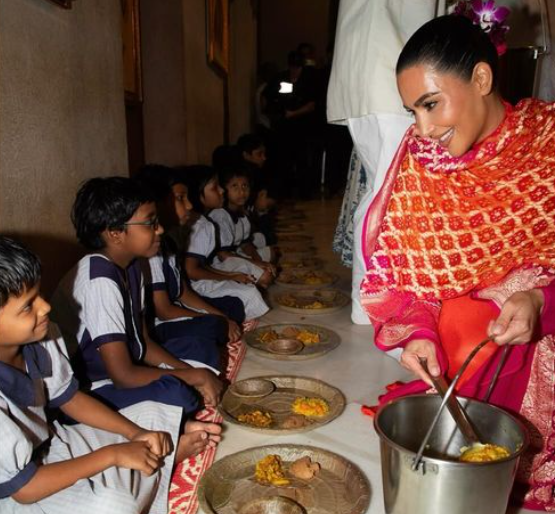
(285, 346)
(252, 388)
(272, 505)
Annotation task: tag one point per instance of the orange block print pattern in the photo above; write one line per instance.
(457, 224)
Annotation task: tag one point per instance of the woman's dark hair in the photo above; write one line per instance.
(106, 203)
(450, 44)
(20, 269)
(196, 178)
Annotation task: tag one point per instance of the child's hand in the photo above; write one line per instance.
(210, 389)
(225, 255)
(267, 266)
(159, 443)
(207, 384)
(136, 455)
(233, 330)
(243, 278)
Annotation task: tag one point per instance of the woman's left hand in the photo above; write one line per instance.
(518, 319)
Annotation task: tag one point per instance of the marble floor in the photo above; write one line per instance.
(356, 367)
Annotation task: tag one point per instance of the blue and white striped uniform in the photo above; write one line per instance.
(28, 439)
(203, 247)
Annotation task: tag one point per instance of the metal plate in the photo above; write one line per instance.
(289, 228)
(293, 251)
(329, 340)
(287, 263)
(297, 279)
(333, 299)
(339, 488)
(294, 238)
(278, 403)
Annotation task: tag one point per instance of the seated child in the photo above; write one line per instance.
(177, 308)
(233, 223)
(99, 305)
(252, 151)
(209, 275)
(107, 463)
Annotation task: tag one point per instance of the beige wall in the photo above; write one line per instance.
(204, 93)
(242, 77)
(163, 82)
(61, 117)
(286, 23)
(183, 105)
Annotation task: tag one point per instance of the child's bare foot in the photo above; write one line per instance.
(197, 437)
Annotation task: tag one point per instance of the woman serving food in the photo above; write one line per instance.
(460, 241)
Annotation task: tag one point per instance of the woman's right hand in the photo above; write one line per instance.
(136, 455)
(421, 349)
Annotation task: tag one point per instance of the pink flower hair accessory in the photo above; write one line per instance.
(489, 17)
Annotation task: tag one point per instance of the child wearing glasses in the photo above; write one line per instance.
(99, 307)
(107, 462)
(176, 307)
(209, 275)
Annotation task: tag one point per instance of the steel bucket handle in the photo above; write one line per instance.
(418, 458)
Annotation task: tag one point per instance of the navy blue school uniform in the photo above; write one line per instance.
(167, 274)
(98, 303)
(199, 336)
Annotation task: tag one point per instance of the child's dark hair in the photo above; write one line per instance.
(228, 174)
(20, 269)
(225, 155)
(158, 179)
(249, 143)
(450, 44)
(106, 203)
(196, 178)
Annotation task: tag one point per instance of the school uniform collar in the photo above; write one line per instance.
(26, 389)
(235, 216)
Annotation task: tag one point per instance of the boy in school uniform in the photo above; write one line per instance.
(107, 463)
(99, 305)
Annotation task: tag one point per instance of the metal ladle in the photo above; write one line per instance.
(458, 413)
(455, 408)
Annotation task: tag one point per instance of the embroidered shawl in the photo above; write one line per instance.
(443, 226)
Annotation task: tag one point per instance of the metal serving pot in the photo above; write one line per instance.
(441, 484)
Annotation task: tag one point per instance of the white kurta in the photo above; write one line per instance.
(363, 94)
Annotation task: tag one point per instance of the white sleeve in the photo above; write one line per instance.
(202, 239)
(16, 452)
(226, 228)
(61, 385)
(158, 280)
(103, 312)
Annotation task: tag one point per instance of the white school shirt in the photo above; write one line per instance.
(27, 437)
(232, 232)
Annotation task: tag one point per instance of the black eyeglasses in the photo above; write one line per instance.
(154, 223)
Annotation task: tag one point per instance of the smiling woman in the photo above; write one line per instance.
(459, 242)
(451, 90)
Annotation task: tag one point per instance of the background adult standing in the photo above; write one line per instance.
(362, 93)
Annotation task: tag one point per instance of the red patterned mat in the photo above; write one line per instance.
(183, 489)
